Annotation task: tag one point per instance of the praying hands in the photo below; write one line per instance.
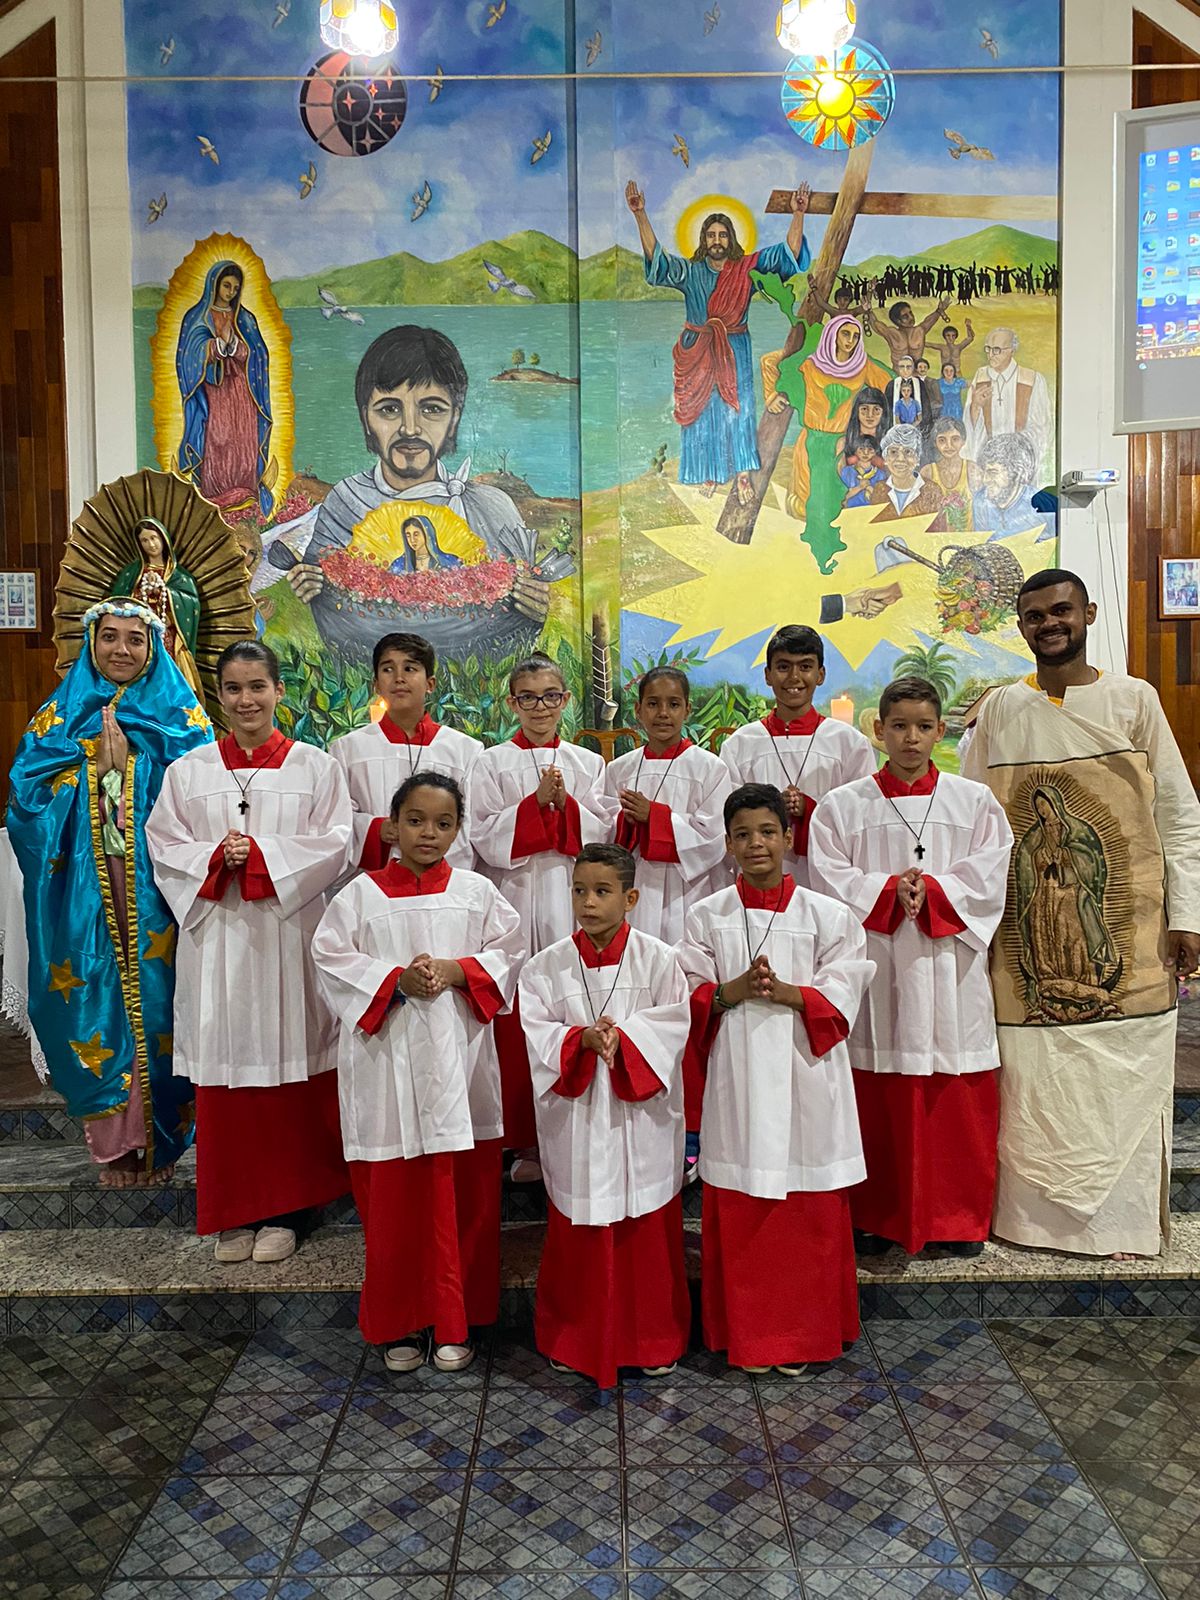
(604, 1038)
(635, 805)
(552, 791)
(113, 750)
(760, 982)
(426, 977)
(910, 891)
(237, 849)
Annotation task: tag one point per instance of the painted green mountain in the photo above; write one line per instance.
(546, 266)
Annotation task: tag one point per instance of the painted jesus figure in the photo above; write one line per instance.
(714, 370)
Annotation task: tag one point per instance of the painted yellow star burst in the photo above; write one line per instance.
(68, 779)
(196, 718)
(45, 720)
(747, 590)
(89, 747)
(838, 100)
(91, 1053)
(63, 980)
(160, 946)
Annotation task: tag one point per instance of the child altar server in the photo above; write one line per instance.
(668, 796)
(795, 748)
(377, 758)
(535, 803)
(778, 974)
(606, 1017)
(246, 837)
(415, 961)
(921, 859)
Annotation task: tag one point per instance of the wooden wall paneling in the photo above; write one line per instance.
(34, 512)
(1164, 472)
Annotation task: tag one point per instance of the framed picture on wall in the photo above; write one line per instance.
(1179, 587)
(18, 601)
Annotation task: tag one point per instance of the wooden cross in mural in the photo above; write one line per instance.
(852, 200)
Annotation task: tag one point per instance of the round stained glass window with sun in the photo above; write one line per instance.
(839, 100)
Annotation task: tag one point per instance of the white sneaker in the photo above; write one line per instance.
(453, 1357)
(406, 1355)
(274, 1244)
(235, 1244)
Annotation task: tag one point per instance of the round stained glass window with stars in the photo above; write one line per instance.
(349, 109)
(839, 100)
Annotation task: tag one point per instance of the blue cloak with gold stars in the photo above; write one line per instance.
(103, 1016)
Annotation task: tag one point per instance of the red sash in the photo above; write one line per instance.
(709, 362)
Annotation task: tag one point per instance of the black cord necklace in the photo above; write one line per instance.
(666, 774)
(750, 951)
(792, 783)
(916, 832)
(243, 788)
(588, 993)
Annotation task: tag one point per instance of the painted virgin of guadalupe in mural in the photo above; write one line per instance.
(224, 380)
(421, 552)
(159, 583)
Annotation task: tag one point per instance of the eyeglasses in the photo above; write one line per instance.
(552, 699)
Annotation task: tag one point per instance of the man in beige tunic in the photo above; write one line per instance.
(1102, 921)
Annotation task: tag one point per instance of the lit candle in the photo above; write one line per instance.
(841, 708)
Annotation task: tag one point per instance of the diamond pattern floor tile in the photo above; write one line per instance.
(714, 1586)
(279, 1359)
(262, 1433)
(564, 1426)
(938, 1352)
(706, 1517)
(38, 1589)
(387, 1432)
(1167, 1347)
(1157, 1504)
(181, 1361)
(860, 1516)
(372, 1522)
(410, 1586)
(219, 1527)
(691, 1424)
(1067, 1583)
(48, 1366)
(123, 1432)
(1177, 1582)
(1062, 1349)
(1119, 1421)
(64, 1530)
(887, 1583)
(188, 1589)
(539, 1586)
(835, 1422)
(23, 1426)
(981, 1421)
(1029, 1514)
(548, 1520)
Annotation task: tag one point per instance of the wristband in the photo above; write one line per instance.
(720, 1000)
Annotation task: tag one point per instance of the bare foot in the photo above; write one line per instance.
(121, 1173)
(1124, 1255)
(745, 489)
(708, 490)
(156, 1179)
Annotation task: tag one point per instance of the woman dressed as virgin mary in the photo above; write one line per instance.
(157, 582)
(224, 372)
(101, 979)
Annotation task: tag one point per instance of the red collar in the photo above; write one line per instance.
(610, 956)
(777, 899)
(272, 753)
(669, 754)
(398, 881)
(426, 731)
(522, 743)
(808, 723)
(896, 788)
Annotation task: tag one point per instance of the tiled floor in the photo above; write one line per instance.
(1017, 1459)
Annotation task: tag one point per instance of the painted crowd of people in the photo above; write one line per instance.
(378, 968)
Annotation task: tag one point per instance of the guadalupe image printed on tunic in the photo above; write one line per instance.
(1083, 937)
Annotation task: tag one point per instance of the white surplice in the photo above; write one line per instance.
(429, 1079)
(604, 1158)
(1085, 1109)
(374, 769)
(815, 763)
(538, 886)
(693, 786)
(929, 1008)
(247, 1013)
(776, 1119)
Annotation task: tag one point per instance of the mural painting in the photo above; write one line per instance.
(634, 355)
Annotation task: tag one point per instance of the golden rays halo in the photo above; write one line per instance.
(687, 229)
(101, 542)
(379, 535)
(183, 291)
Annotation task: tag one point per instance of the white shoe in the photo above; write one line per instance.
(274, 1244)
(406, 1355)
(525, 1169)
(453, 1357)
(235, 1244)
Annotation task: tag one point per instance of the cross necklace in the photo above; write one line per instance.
(916, 832)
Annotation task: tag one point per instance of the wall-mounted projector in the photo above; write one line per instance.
(1091, 480)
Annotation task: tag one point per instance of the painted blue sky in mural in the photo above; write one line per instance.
(473, 144)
